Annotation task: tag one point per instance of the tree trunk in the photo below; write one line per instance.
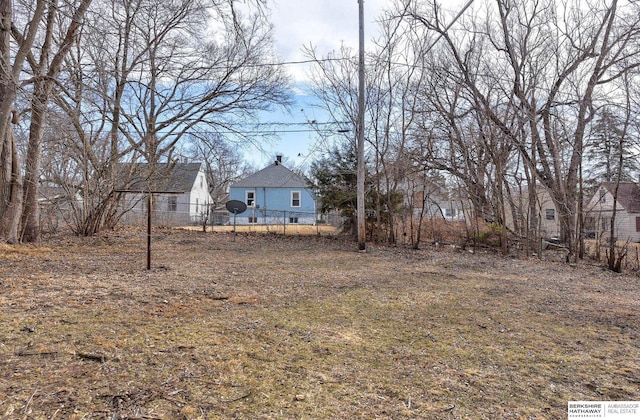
(46, 73)
(7, 89)
(11, 66)
(10, 180)
(10, 189)
(31, 211)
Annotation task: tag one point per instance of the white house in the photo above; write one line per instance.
(182, 193)
(600, 210)
(546, 214)
(437, 206)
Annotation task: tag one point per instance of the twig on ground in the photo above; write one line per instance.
(36, 353)
(93, 357)
(451, 407)
(26, 406)
(242, 397)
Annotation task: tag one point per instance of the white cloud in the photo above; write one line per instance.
(325, 24)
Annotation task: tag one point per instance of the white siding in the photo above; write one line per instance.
(600, 208)
(199, 192)
(185, 209)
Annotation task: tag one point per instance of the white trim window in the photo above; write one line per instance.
(250, 198)
(172, 203)
(295, 199)
(550, 214)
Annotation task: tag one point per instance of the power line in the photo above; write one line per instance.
(268, 131)
(312, 123)
(310, 61)
(258, 132)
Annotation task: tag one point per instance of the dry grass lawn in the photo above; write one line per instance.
(272, 327)
(289, 229)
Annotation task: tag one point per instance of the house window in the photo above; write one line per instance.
(550, 214)
(196, 206)
(172, 203)
(295, 198)
(637, 224)
(449, 213)
(250, 198)
(293, 220)
(253, 220)
(603, 196)
(201, 182)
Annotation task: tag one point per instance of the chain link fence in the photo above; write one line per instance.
(252, 220)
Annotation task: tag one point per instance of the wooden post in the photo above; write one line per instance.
(234, 225)
(149, 210)
(360, 200)
(149, 214)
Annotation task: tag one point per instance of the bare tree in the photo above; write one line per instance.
(396, 77)
(152, 75)
(391, 96)
(224, 163)
(187, 83)
(552, 61)
(45, 70)
(10, 69)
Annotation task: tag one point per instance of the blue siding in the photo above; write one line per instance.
(271, 203)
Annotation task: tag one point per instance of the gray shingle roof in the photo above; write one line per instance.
(179, 178)
(273, 176)
(628, 195)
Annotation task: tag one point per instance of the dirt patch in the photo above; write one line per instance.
(269, 326)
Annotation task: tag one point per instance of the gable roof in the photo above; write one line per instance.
(628, 195)
(273, 176)
(55, 193)
(174, 177)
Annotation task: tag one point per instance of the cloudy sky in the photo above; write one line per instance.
(325, 24)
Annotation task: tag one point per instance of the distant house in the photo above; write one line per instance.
(58, 204)
(437, 206)
(274, 195)
(600, 209)
(518, 212)
(430, 198)
(185, 197)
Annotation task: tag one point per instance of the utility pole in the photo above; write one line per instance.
(362, 235)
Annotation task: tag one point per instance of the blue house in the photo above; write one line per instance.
(274, 195)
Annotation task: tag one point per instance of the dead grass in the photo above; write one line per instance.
(304, 327)
(292, 229)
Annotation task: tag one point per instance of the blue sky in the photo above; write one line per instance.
(325, 24)
(295, 137)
